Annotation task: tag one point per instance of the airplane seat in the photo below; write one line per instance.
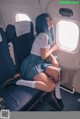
(7, 67)
(11, 34)
(16, 97)
(21, 34)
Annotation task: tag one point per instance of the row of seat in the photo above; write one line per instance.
(15, 46)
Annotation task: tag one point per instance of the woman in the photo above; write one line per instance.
(40, 66)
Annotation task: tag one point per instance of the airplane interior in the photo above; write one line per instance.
(17, 35)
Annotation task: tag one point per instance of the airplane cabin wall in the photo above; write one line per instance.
(9, 8)
(70, 63)
(53, 8)
(70, 78)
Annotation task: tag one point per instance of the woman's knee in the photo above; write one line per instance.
(57, 76)
(51, 87)
(53, 71)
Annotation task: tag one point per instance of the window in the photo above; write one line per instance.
(22, 17)
(67, 35)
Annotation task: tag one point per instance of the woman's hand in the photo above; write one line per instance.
(55, 63)
(55, 47)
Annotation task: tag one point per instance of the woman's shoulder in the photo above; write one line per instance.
(43, 35)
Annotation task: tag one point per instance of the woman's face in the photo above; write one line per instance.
(49, 22)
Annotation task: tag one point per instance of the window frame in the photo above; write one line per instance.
(61, 48)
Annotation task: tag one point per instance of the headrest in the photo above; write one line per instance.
(22, 27)
(0, 38)
(10, 32)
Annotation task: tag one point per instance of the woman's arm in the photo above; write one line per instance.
(54, 61)
(55, 47)
(45, 53)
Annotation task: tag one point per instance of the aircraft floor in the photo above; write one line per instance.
(70, 101)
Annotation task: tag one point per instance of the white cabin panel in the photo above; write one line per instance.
(69, 61)
(8, 9)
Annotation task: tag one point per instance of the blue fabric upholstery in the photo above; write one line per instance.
(7, 69)
(20, 98)
(10, 33)
(22, 44)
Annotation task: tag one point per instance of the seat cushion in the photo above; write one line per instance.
(19, 97)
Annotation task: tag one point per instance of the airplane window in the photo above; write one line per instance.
(67, 35)
(22, 17)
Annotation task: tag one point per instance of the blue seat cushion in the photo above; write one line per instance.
(19, 98)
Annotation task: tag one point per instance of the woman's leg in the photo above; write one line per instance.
(41, 82)
(53, 72)
(44, 83)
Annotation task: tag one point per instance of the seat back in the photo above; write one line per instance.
(21, 35)
(7, 69)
